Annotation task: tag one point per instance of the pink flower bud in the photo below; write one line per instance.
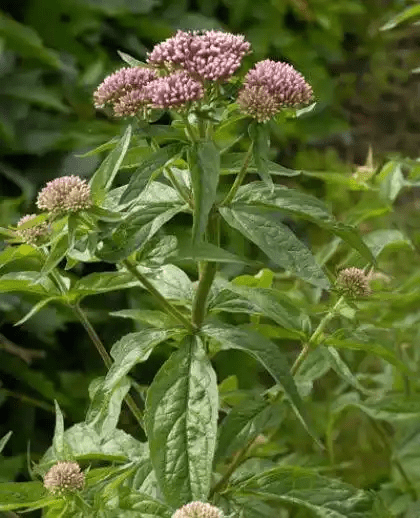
(174, 91)
(63, 477)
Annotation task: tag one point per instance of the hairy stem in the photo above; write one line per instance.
(81, 315)
(170, 308)
(312, 342)
(240, 177)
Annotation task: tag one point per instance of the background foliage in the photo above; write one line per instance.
(367, 96)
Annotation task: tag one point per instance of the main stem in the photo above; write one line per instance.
(312, 342)
(81, 315)
(170, 308)
(208, 271)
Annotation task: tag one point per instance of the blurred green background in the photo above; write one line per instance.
(53, 54)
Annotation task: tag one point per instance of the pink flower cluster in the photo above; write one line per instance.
(124, 90)
(198, 510)
(32, 235)
(64, 195)
(271, 86)
(63, 477)
(211, 55)
(184, 61)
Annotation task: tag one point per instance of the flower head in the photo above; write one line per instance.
(198, 510)
(64, 476)
(211, 55)
(354, 283)
(64, 195)
(116, 87)
(35, 234)
(132, 102)
(258, 103)
(174, 91)
(279, 83)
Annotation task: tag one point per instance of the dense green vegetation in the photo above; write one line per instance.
(351, 167)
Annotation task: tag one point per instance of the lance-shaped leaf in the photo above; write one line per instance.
(243, 423)
(181, 423)
(136, 230)
(154, 162)
(325, 497)
(205, 169)
(266, 230)
(102, 180)
(131, 349)
(22, 495)
(265, 352)
(296, 203)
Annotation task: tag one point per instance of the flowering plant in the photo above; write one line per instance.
(192, 457)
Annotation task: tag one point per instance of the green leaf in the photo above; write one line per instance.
(132, 349)
(274, 305)
(101, 181)
(27, 282)
(145, 506)
(135, 230)
(154, 318)
(96, 283)
(392, 408)
(4, 440)
(58, 439)
(57, 253)
(392, 181)
(26, 41)
(84, 443)
(205, 252)
(260, 137)
(265, 352)
(154, 162)
(296, 203)
(133, 62)
(371, 348)
(342, 369)
(243, 424)
(181, 423)
(408, 14)
(378, 240)
(104, 412)
(15, 253)
(276, 240)
(325, 497)
(19, 495)
(204, 159)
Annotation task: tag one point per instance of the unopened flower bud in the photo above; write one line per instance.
(64, 477)
(64, 195)
(198, 510)
(354, 283)
(34, 235)
(258, 103)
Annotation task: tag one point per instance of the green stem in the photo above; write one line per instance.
(313, 340)
(387, 442)
(240, 177)
(207, 274)
(81, 315)
(171, 309)
(238, 459)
